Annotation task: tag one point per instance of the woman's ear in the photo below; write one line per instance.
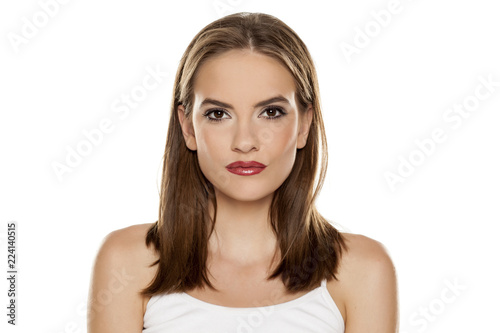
(187, 128)
(304, 126)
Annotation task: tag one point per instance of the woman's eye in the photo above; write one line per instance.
(217, 115)
(274, 112)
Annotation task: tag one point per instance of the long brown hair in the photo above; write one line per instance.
(310, 246)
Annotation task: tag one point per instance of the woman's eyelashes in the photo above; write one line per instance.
(274, 112)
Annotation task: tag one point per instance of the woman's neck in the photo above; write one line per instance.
(242, 231)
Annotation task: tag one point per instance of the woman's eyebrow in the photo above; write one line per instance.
(275, 99)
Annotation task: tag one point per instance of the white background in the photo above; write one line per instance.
(439, 225)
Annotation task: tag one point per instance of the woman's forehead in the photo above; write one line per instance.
(243, 76)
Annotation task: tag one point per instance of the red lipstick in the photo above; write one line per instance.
(245, 168)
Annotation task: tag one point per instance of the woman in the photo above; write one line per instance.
(239, 245)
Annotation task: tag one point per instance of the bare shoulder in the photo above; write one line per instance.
(121, 269)
(127, 247)
(364, 251)
(366, 289)
(130, 241)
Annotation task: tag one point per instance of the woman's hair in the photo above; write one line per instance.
(310, 246)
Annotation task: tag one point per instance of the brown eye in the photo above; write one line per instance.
(218, 115)
(274, 112)
(271, 112)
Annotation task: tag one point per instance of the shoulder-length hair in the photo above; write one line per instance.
(310, 247)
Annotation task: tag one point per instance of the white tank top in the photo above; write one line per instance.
(182, 313)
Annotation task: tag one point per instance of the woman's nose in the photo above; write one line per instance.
(246, 136)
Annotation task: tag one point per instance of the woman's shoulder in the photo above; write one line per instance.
(129, 240)
(366, 275)
(127, 247)
(121, 270)
(364, 258)
(364, 250)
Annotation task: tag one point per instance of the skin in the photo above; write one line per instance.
(241, 249)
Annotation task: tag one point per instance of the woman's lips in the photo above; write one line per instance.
(247, 164)
(245, 168)
(245, 171)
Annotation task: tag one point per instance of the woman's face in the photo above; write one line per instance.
(234, 119)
